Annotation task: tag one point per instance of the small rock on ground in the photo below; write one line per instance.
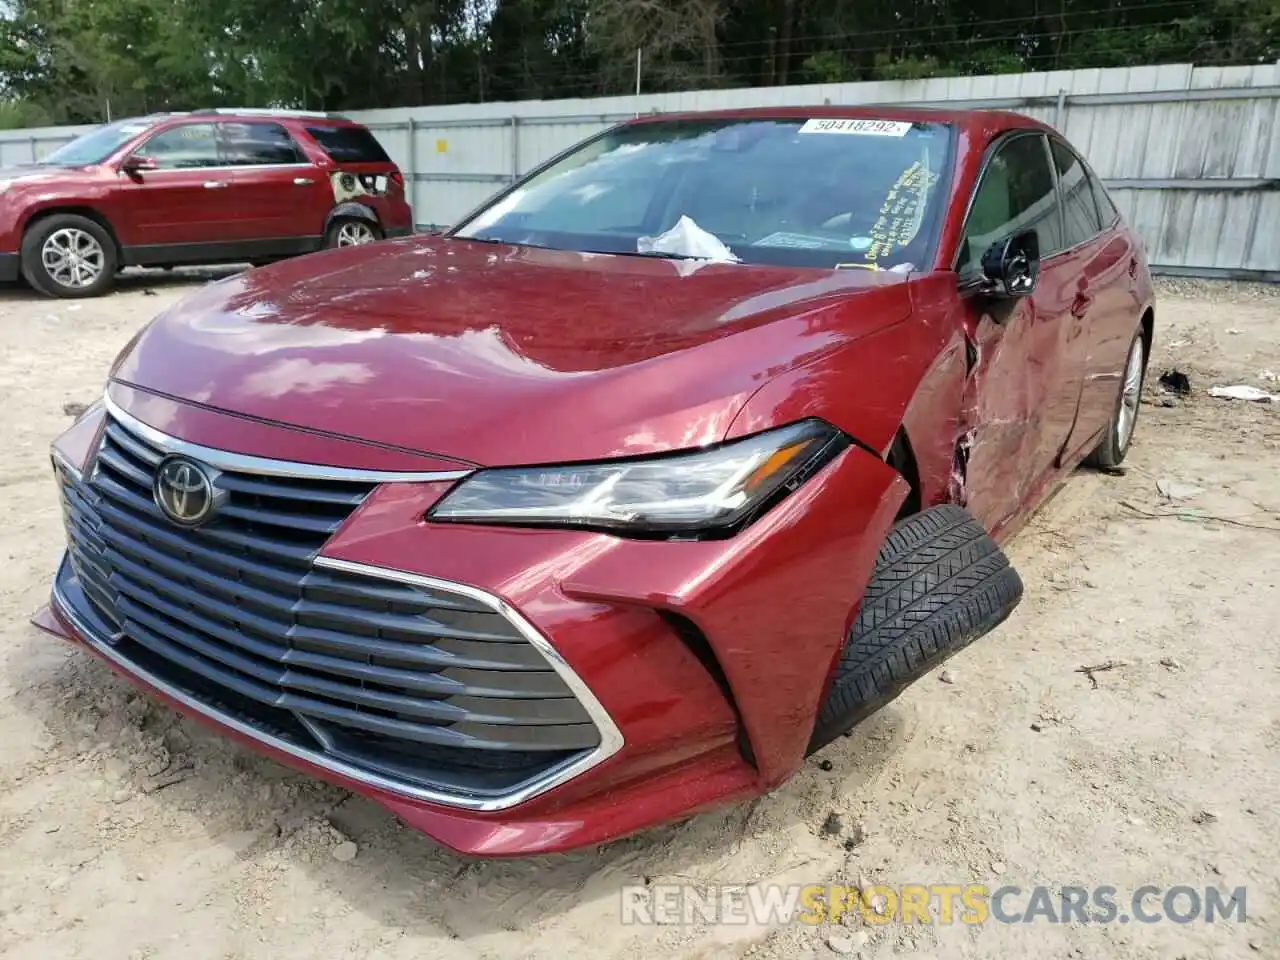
(345, 852)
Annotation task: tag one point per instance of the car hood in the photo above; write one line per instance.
(30, 172)
(497, 354)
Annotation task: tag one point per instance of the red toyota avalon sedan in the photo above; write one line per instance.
(658, 472)
(215, 186)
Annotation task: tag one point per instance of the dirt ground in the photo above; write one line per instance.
(128, 833)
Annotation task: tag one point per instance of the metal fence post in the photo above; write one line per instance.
(515, 149)
(34, 156)
(411, 163)
(1058, 113)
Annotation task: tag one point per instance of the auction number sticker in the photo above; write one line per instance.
(870, 128)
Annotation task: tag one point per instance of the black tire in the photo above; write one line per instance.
(38, 275)
(332, 236)
(939, 583)
(1114, 445)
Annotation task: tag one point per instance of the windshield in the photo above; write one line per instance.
(96, 145)
(821, 193)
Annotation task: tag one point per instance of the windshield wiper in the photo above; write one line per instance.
(653, 255)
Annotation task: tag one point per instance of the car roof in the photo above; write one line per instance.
(315, 117)
(988, 122)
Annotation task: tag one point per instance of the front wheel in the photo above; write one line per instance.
(350, 232)
(68, 256)
(940, 582)
(1110, 452)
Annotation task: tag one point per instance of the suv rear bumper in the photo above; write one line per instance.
(9, 267)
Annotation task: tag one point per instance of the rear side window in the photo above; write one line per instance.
(1080, 211)
(349, 144)
(1016, 193)
(258, 144)
(1106, 209)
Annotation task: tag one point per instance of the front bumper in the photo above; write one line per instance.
(703, 662)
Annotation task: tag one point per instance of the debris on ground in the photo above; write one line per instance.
(74, 408)
(1176, 382)
(1268, 376)
(1176, 490)
(849, 833)
(839, 943)
(1173, 663)
(346, 851)
(1101, 668)
(1242, 391)
(1204, 817)
(947, 676)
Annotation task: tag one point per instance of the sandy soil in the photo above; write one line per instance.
(129, 833)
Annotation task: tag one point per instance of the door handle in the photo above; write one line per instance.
(214, 184)
(302, 181)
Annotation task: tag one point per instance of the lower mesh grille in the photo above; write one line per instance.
(426, 685)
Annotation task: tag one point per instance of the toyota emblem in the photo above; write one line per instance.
(184, 491)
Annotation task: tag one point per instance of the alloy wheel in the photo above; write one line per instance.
(1131, 395)
(73, 258)
(355, 234)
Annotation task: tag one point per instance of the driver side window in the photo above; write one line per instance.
(1016, 193)
(188, 146)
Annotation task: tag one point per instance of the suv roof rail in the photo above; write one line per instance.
(271, 112)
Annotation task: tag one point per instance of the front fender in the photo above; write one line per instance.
(910, 376)
(774, 602)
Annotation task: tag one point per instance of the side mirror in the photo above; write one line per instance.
(137, 164)
(1010, 268)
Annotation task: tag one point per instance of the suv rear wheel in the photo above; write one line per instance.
(350, 232)
(67, 255)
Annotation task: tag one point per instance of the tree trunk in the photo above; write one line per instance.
(784, 43)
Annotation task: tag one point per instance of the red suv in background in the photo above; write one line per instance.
(214, 186)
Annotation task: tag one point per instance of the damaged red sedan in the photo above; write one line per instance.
(655, 474)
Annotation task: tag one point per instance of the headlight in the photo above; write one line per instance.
(709, 492)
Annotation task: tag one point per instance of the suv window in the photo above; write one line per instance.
(349, 144)
(1016, 193)
(1080, 212)
(178, 148)
(251, 144)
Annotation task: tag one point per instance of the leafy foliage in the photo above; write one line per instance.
(72, 61)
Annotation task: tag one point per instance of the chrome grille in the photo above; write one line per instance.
(431, 686)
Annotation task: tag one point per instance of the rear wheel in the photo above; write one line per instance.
(67, 255)
(1110, 452)
(350, 232)
(939, 583)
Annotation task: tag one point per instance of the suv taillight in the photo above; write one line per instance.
(397, 178)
